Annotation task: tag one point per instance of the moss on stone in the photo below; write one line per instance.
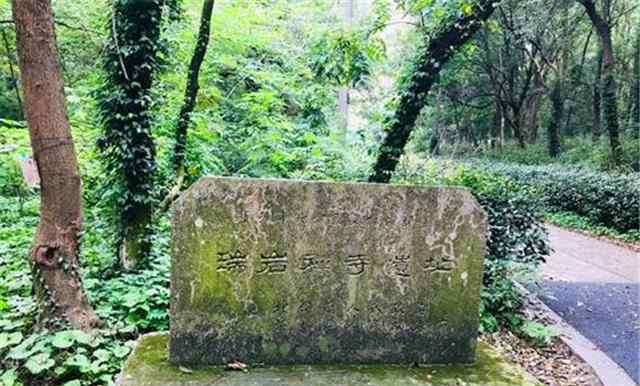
(148, 366)
(420, 251)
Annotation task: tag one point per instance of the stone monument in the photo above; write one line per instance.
(291, 272)
(318, 283)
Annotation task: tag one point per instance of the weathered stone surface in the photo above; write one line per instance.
(148, 366)
(291, 272)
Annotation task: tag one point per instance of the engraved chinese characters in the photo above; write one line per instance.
(283, 272)
(355, 265)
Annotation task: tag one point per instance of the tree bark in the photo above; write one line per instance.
(54, 256)
(557, 109)
(576, 79)
(497, 132)
(609, 96)
(531, 116)
(635, 93)
(596, 102)
(191, 92)
(429, 61)
(344, 92)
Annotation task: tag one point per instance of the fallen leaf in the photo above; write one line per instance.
(236, 366)
(185, 370)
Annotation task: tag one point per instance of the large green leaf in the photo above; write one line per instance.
(9, 378)
(10, 339)
(39, 363)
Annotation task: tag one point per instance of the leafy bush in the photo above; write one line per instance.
(517, 240)
(71, 357)
(537, 333)
(576, 152)
(128, 305)
(574, 221)
(14, 145)
(607, 199)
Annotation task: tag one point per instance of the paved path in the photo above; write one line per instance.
(595, 286)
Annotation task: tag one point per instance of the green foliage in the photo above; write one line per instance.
(14, 146)
(577, 152)
(128, 305)
(606, 199)
(575, 221)
(260, 109)
(537, 333)
(345, 58)
(68, 357)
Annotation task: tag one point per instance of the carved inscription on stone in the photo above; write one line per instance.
(274, 263)
(399, 265)
(439, 264)
(356, 264)
(234, 262)
(313, 263)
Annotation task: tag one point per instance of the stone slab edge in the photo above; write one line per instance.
(506, 372)
(608, 371)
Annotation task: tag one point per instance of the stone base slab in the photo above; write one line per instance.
(148, 365)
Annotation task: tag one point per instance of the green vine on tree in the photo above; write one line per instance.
(131, 60)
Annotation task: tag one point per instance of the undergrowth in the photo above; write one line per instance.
(574, 221)
(128, 305)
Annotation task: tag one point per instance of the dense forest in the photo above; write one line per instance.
(532, 105)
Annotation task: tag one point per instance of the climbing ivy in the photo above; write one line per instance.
(131, 60)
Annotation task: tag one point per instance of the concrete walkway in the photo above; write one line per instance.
(595, 287)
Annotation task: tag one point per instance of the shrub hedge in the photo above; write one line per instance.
(608, 199)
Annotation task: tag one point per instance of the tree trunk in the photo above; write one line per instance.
(191, 92)
(609, 96)
(344, 92)
(130, 65)
(54, 256)
(430, 60)
(498, 126)
(576, 79)
(516, 126)
(635, 93)
(531, 117)
(596, 129)
(557, 108)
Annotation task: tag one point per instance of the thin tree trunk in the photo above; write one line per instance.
(54, 257)
(344, 92)
(191, 92)
(557, 108)
(609, 96)
(531, 117)
(14, 76)
(434, 141)
(516, 126)
(578, 77)
(597, 117)
(430, 61)
(635, 95)
(498, 126)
